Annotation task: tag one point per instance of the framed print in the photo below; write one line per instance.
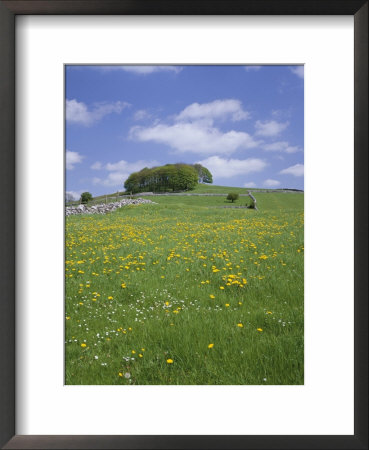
(118, 338)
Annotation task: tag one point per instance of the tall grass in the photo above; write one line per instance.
(186, 292)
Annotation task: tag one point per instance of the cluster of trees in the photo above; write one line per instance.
(175, 177)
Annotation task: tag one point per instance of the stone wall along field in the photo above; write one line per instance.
(104, 208)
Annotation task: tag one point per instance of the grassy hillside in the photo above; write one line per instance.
(199, 189)
(266, 202)
(187, 292)
(214, 189)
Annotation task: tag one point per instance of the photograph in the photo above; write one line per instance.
(184, 224)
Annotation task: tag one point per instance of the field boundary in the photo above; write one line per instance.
(145, 194)
(116, 198)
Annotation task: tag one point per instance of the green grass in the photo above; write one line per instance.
(172, 260)
(267, 203)
(199, 189)
(214, 189)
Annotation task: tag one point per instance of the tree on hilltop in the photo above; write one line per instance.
(175, 177)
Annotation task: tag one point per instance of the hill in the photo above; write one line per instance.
(199, 189)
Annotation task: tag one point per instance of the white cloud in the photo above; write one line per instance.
(297, 170)
(72, 195)
(282, 114)
(96, 166)
(197, 137)
(298, 70)
(141, 114)
(270, 128)
(72, 158)
(227, 168)
(113, 179)
(79, 113)
(281, 146)
(141, 70)
(130, 167)
(252, 68)
(293, 149)
(120, 171)
(218, 109)
(249, 184)
(277, 113)
(276, 146)
(271, 183)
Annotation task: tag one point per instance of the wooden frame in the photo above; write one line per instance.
(8, 11)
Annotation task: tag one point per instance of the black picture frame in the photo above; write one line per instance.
(8, 12)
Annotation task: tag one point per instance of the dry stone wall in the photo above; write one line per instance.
(104, 208)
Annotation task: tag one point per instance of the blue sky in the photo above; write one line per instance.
(244, 123)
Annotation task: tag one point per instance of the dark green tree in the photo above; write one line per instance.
(86, 197)
(132, 183)
(232, 196)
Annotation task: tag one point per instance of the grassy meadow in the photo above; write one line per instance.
(187, 291)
